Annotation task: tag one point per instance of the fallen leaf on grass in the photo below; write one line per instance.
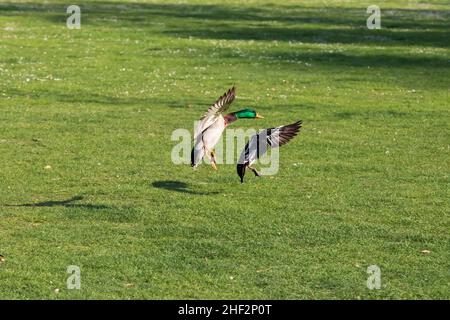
(425, 251)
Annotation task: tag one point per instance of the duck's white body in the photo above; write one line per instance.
(206, 140)
(210, 129)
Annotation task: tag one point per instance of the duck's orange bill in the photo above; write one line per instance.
(258, 116)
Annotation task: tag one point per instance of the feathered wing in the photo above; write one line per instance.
(272, 137)
(215, 111)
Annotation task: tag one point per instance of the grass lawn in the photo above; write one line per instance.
(86, 176)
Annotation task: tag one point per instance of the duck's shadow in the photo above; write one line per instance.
(63, 203)
(179, 186)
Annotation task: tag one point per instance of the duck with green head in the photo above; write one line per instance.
(211, 126)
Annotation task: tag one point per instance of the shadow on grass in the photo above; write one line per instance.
(89, 97)
(179, 186)
(370, 115)
(322, 24)
(296, 24)
(63, 203)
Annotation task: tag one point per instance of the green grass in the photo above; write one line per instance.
(98, 105)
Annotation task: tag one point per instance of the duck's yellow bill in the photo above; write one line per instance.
(258, 116)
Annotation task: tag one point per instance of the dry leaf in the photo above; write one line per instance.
(425, 251)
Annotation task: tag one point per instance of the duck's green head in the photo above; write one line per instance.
(247, 114)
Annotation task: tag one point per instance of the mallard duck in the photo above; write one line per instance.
(272, 137)
(211, 126)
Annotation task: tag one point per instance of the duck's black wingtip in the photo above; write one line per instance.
(240, 168)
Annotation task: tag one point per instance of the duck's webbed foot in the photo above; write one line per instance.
(257, 174)
(212, 158)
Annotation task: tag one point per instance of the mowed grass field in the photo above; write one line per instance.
(86, 177)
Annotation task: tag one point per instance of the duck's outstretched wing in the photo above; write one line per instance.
(215, 110)
(272, 137)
